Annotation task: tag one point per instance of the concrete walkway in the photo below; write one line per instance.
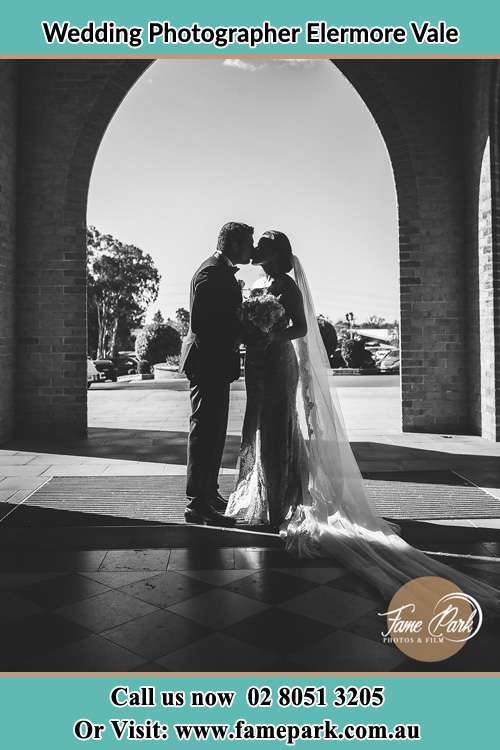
(140, 428)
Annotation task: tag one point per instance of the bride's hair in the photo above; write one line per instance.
(274, 249)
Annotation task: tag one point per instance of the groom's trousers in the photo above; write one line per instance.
(207, 436)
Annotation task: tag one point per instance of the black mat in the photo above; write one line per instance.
(136, 500)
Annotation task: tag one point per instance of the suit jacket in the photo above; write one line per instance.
(210, 350)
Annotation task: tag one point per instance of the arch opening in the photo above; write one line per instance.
(295, 147)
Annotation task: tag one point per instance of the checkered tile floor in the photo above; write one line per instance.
(201, 610)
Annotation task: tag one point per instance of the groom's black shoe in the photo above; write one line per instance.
(207, 516)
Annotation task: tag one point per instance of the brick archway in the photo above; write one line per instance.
(427, 112)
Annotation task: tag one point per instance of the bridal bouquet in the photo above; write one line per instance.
(262, 311)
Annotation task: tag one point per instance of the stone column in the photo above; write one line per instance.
(495, 252)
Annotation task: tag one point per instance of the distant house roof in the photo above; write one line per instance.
(378, 334)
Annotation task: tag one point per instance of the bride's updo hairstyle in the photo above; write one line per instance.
(274, 252)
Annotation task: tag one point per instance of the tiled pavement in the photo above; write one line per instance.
(219, 609)
(140, 429)
(202, 610)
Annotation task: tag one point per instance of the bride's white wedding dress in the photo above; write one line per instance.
(297, 467)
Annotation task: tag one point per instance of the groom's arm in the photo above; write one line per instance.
(213, 318)
(206, 303)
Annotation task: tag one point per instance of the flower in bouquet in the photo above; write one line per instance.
(262, 311)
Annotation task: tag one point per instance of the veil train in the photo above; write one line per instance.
(336, 518)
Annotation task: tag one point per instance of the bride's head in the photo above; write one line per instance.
(274, 253)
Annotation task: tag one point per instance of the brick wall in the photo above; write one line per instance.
(495, 227)
(479, 260)
(418, 107)
(476, 127)
(486, 307)
(7, 244)
(64, 109)
(429, 118)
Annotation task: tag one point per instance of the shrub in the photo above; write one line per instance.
(156, 342)
(355, 354)
(143, 367)
(337, 359)
(173, 360)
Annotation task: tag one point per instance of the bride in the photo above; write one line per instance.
(297, 472)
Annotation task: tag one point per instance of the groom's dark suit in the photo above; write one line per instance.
(210, 359)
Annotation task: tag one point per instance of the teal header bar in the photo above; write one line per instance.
(196, 27)
(64, 712)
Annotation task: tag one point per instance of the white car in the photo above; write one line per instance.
(93, 375)
(390, 363)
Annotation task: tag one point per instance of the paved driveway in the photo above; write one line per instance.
(370, 404)
(140, 428)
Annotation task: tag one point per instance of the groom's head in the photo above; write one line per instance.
(236, 242)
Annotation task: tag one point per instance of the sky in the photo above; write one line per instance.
(276, 144)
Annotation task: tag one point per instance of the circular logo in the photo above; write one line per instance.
(430, 619)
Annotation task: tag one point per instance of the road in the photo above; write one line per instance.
(370, 403)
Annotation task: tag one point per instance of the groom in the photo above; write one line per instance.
(211, 361)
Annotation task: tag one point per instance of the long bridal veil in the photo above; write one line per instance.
(336, 518)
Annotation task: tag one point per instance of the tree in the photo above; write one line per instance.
(122, 282)
(375, 321)
(156, 342)
(329, 335)
(342, 329)
(158, 317)
(182, 318)
(395, 333)
(131, 316)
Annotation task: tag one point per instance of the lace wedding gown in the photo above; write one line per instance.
(297, 469)
(273, 452)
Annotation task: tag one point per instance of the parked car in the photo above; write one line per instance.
(93, 374)
(390, 363)
(380, 352)
(107, 368)
(126, 363)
